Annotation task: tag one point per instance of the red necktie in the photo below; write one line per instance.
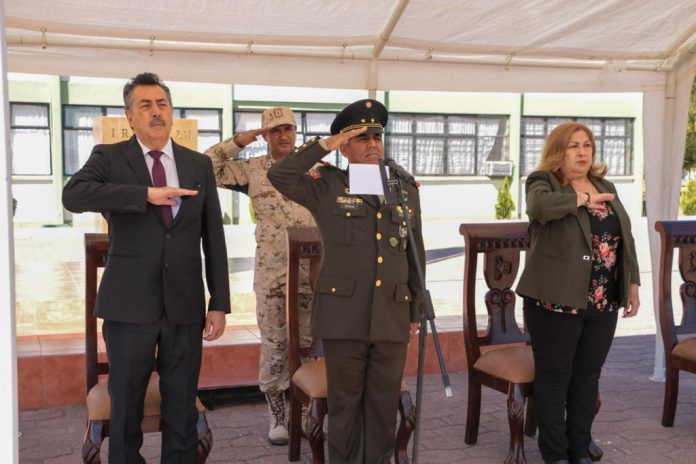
(159, 179)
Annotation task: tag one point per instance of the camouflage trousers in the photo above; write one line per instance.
(270, 316)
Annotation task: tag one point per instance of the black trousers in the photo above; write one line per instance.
(569, 352)
(364, 384)
(132, 350)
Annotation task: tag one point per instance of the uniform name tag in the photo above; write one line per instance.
(349, 201)
(349, 206)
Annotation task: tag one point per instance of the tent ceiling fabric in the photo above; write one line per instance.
(321, 37)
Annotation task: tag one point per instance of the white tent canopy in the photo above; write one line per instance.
(643, 46)
(363, 44)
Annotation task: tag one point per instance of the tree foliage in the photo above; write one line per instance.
(504, 205)
(687, 201)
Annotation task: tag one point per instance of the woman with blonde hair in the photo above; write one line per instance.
(581, 269)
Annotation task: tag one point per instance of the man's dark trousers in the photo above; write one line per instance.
(132, 350)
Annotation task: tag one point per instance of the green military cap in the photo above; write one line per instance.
(363, 113)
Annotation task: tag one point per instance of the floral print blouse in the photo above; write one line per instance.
(603, 292)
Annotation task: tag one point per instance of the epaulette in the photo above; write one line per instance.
(306, 144)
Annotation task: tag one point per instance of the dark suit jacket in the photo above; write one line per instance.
(150, 268)
(368, 287)
(559, 262)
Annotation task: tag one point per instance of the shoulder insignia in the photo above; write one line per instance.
(315, 171)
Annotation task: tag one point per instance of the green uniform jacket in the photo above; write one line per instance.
(559, 259)
(368, 288)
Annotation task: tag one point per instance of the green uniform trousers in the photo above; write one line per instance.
(364, 383)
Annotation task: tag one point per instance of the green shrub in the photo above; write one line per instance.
(504, 205)
(687, 202)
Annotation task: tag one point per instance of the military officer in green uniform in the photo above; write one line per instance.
(368, 295)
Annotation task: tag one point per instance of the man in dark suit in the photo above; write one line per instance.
(368, 294)
(161, 204)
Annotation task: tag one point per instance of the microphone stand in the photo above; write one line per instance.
(427, 313)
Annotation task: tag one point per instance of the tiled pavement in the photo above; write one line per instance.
(627, 428)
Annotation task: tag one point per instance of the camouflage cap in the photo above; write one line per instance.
(277, 116)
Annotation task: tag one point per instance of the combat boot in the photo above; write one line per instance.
(278, 430)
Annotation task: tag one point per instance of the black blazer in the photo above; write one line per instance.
(558, 263)
(150, 268)
(368, 286)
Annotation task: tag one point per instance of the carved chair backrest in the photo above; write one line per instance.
(96, 250)
(304, 248)
(500, 243)
(680, 235)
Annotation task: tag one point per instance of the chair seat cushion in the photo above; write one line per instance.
(310, 377)
(99, 402)
(514, 364)
(685, 348)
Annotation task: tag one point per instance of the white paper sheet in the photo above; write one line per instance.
(364, 179)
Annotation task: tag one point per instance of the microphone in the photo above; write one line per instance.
(398, 171)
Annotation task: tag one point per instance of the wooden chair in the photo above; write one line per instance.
(501, 357)
(680, 348)
(98, 401)
(308, 379)
(509, 368)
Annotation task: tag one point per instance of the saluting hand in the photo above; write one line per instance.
(335, 141)
(245, 138)
(165, 195)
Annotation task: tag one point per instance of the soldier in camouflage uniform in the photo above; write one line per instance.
(274, 213)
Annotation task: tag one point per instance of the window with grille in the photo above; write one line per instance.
(423, 144)
(78, 140)
(209, 125)
(31, 139)
(446, 145)
(613, 136)
(310, 124)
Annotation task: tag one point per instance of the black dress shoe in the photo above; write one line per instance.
(582, 461)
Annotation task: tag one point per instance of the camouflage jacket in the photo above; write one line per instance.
(274, 211)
